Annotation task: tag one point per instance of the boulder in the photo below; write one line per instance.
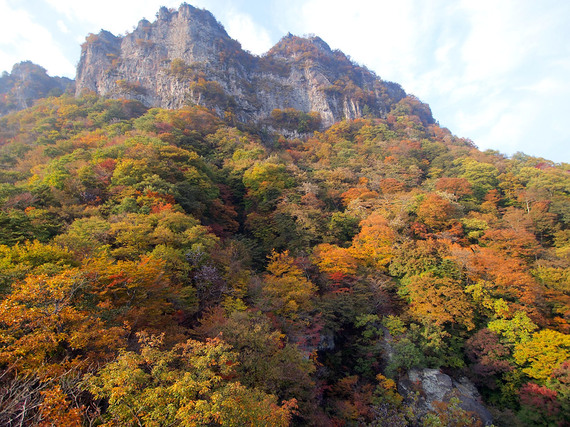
(432, 385)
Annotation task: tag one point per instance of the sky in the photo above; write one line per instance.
(494, 71)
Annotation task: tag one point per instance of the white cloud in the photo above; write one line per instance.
(491, 47)
(23, 39)
(252, 37)
(63, 28)
(490, 70)
(545, 87)
(510, 57)
(376, 33)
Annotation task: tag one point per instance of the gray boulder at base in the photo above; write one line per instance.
(433, 386)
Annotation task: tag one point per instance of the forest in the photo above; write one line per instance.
(171, 267)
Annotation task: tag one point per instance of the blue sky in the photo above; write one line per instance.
(494, 71)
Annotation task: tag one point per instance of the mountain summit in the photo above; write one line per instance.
(186, 57)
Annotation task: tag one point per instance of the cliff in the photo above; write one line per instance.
(26, 83)
(186, 57)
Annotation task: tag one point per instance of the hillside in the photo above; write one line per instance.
(185, 267)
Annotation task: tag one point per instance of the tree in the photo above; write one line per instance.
(502, 276)
(540, 406)
(189, 385)
(265, 357)
(388, 406)
(27, 400)
(435, 212)
(286, 290)
(515, 240)
(358, 193)
(415, 257)
(373, 245)
(490, 358)
(44, 330)
(482, 176)
(459, 187)
(17, 261)
(391, 186)
(332, 259)
(543, 353)
(139, 293)
(451, 414)
(55, 409)
(86, 235)
(343, 227)
(441, 299)
(266, 181)
(515, 330)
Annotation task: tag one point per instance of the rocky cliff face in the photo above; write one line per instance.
(186, 57)
(26, 83)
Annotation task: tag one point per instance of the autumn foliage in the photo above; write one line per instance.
(175, 267)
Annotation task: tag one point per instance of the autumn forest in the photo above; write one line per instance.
(171, 267)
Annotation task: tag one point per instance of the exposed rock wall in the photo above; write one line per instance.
(186, 56)
(26, 83)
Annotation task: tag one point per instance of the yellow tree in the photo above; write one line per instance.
(543, 353)
(286, 289)
(373, 246)
(190, 385)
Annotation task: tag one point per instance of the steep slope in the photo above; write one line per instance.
(186, 57)
(324, 269)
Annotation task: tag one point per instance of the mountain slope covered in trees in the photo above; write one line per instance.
(181, 267)
(165, 264)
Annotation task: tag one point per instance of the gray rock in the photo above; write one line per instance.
(326, 341)
(300, 73)
(432, 385)
(27, 83)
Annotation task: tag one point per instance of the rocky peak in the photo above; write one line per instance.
(292, 46)
(186, 57)
(26, 83)
(189, 33)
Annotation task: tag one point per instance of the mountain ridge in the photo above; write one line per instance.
(186, 57)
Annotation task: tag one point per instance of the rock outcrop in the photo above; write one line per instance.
(26, 83)
(432, 386)
(186, 57)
